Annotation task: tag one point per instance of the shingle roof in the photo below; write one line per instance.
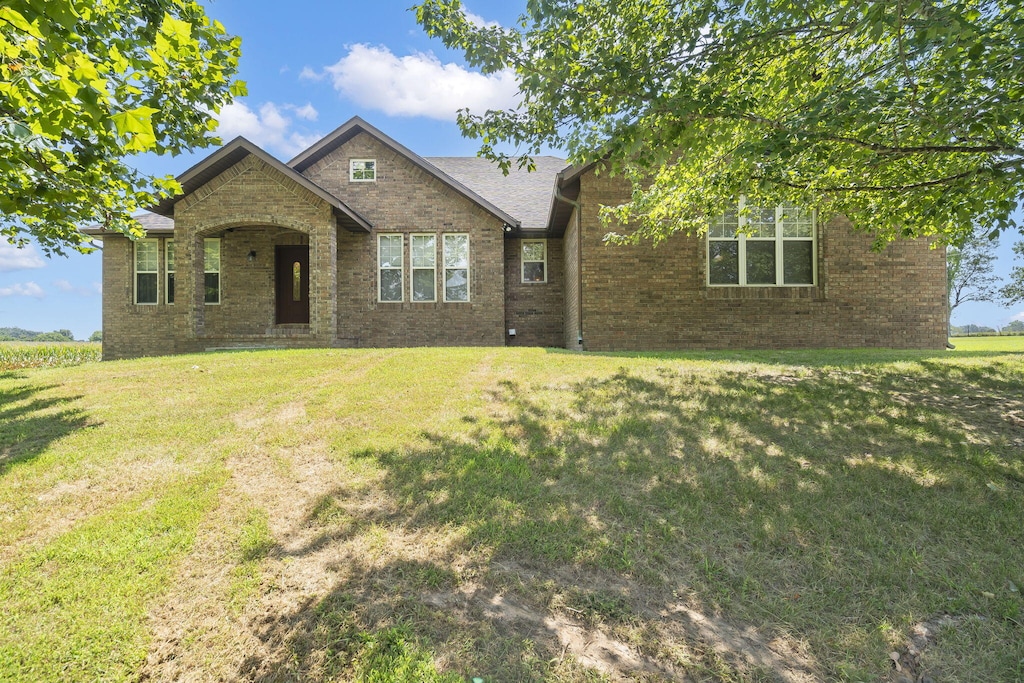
(525, 195)
(152, 222)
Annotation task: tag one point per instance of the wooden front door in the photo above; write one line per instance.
(291, 276)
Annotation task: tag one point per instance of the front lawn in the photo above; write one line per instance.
(514, 514)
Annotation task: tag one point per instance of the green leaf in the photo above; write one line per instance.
(11, 16)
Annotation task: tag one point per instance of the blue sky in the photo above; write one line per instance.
(310, 66)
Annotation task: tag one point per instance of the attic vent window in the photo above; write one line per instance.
(362, 170)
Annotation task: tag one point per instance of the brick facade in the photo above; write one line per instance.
(407, 200)
(621, 298)
(534, 309)
(644, 298)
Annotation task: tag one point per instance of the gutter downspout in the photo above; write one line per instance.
(579, 259)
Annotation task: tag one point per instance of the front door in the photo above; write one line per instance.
(291, 275)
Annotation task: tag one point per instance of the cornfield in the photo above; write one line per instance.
(17, 356)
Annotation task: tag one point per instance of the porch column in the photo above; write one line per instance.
(323, 278)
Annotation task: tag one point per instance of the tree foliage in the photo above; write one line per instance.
(82, 85)
(907, 116)
(1013, 291)
(969, 271)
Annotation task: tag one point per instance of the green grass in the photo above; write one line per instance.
(352, 500)
(20, 355)
(1005, 344)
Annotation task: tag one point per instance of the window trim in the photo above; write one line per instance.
(523, 261)
(468, 268)
(400, 268)
(169, 260)
(352, 170)
(136, 272)
(220, 282)
(779, 240)
(413, 268)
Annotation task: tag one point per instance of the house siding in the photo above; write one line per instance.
(534, 309)
(405, 199)
(644, 298)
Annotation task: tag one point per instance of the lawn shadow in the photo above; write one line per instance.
(30, 423)
(806, 508)
(803, 357)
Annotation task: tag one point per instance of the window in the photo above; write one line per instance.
(362, 170)
(169, 261)
(147, 258)
(766, 247)
(456, 267)
(423, 262)
(389, 267)
(211, 270)
(535, 261)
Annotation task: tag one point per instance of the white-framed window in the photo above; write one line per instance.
(169, 267)
(535, 260)
(752, 246)
(211, 270)
(456, 267)
(389, 268)
(362, 170)
(423, 264)
(147, 266)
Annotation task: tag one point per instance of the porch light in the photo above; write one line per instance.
(252, 255)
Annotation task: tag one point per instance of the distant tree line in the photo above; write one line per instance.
(19, 334)
(1014, 328)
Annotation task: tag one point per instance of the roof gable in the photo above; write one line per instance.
(234, 152)
(356, 125)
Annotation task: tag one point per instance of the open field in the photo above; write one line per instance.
(515, 514)
(20, 355)
(1013, 344)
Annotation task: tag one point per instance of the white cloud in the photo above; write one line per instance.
(19, 258)
(1018, 316)
(268, 127)
(308, 74)
(306, 112)
(23, 289)
(65, 286)
(477, 20)
(418, 84)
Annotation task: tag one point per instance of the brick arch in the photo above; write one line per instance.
(255, 220)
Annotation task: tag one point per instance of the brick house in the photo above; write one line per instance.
(359, 241)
